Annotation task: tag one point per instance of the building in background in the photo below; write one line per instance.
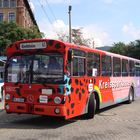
(18, 11)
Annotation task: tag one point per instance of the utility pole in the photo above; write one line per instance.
(70, 8)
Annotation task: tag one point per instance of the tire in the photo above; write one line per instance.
(2, 92)
(91, 107)
(131, 96)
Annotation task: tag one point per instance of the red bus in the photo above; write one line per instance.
(53, 78)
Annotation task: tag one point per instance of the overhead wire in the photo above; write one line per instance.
(45, 12)
(49, 19)
(51, 10)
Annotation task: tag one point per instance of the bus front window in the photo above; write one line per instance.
(18, 69)
(38, 68)
(48, 68)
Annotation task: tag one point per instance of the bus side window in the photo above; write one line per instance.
(137, 69)
(116, 67)
(78, 63)
(131, 68)
(106, 65)
(125, 67)
(93, 62)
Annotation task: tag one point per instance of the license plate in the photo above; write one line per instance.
(20, 100)
(43, 99)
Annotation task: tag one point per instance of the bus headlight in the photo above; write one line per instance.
(7, 96)
(57, 110)
(57, 100)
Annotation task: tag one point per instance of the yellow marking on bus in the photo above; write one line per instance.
(99, 93)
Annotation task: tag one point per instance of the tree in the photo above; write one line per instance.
(119, 48)
(77, 38)
(11, 32)
(132, 49)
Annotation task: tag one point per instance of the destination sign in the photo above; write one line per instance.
(32, 45)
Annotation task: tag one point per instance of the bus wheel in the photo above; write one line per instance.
(131, 96)
(91, 107)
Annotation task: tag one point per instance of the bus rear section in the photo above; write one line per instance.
(33, 84)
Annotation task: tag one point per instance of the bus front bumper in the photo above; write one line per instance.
(35, 109)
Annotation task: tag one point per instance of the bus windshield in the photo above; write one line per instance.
(38, 68)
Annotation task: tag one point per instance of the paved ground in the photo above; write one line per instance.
(121, 122)
(1, 105)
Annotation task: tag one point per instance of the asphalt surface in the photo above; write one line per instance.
(121, 122)
(1, 105)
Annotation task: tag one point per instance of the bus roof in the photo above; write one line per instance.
(70, 45)
(86, 48)
(101, 52)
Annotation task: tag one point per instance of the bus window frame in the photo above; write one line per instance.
(126, 68)
(108, 74)
(72, 62)
(137, 69)
(117, 73)
(131, 68)
(99, 64)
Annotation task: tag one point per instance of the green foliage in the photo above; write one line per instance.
(132, 49)
(119, 48)
(11, 32)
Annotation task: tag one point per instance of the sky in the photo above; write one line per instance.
(104, 21)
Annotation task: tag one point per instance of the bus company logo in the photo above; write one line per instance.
(113, 84)
(30, 98)
(90, 87)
